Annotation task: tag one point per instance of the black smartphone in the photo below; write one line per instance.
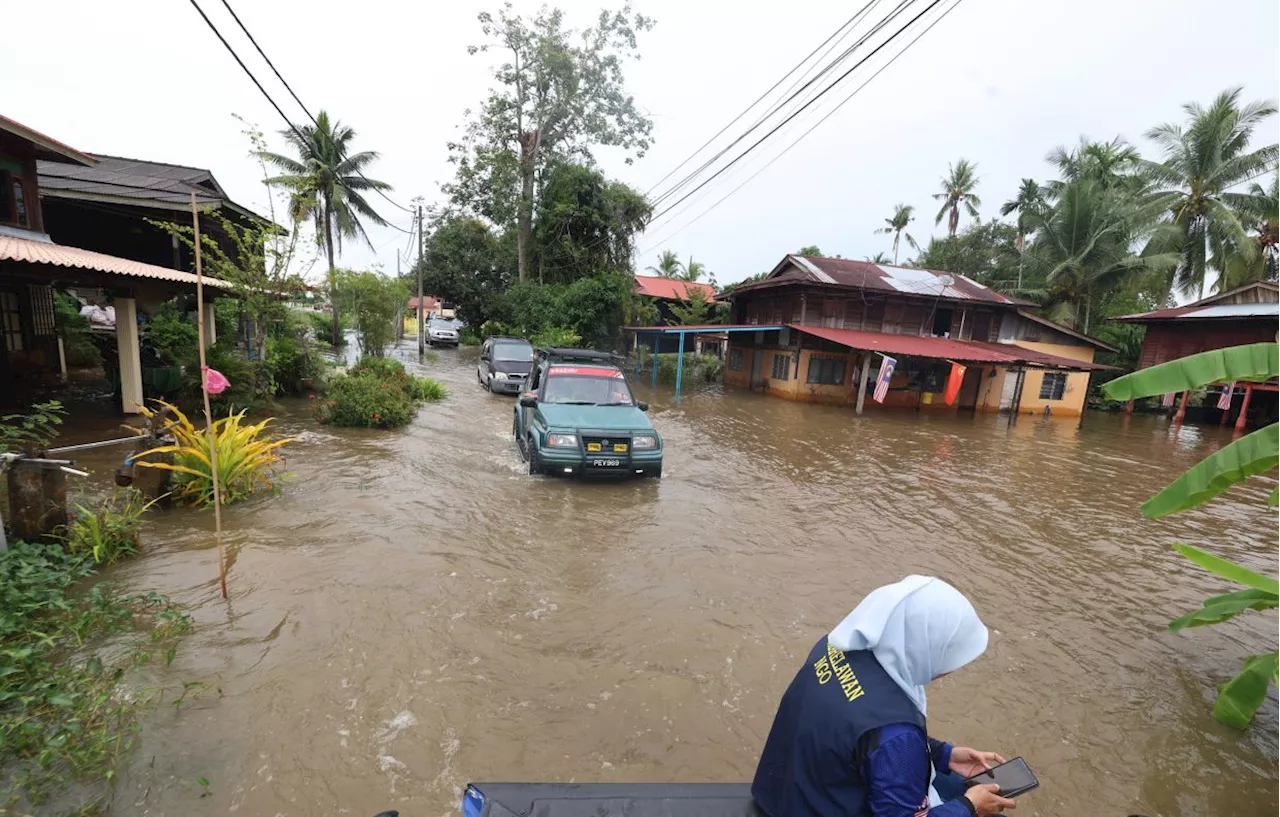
(1013, 777)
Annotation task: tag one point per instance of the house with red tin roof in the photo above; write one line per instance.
(832, 321)
(663, 292)
(1246, 314)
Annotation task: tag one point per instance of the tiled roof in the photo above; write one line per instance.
(671, 289)
(46, 252)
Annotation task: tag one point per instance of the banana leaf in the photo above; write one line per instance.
(1228, 605)
(1229, 570)
(1255, 362)
(1239, 698)
(1254, 453)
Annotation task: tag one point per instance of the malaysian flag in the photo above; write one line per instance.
(882, 379)
(1167, 402)
(1224, 401)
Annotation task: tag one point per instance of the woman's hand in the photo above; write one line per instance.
(986, 801)
(968, 762)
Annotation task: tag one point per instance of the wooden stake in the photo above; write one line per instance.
(208, 412)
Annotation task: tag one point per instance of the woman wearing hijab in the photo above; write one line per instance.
(850, 738)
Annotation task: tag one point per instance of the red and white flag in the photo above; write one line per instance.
(954, 382)
(882, 379)
(1224, 400)
(1167, 402)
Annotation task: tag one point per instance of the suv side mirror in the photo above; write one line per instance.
(528, 399)
(642, 405)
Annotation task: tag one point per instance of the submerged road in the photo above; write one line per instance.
(414, 611)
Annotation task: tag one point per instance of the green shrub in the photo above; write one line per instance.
(34, 429)
(555, 336)
(60, 721)
(365, 400)
(291, 365)
(321, 325)
(172, 338)
(468, 337)
(108, 530)
(224, 357)
(380, 367)
(73, 328)
(375, 303)
(697, 368)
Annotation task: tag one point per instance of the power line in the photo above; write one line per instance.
(289, 88)
(801, 110)
(815, 125)
(758, 100)
(790, 94)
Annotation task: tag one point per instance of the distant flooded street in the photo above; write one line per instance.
(415, 611)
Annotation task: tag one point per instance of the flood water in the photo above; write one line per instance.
(414, 611)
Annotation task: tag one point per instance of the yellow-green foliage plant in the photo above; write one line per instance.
(248, 459)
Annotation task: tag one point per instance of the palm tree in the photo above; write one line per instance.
(1202, 163)
(896, 225)
(694, 270)
(1114, 165)
(879, 258)
(325, 183)
(1082, 247)
(1030, 199)
(669, 265)
(1260, 209)
(957, 190)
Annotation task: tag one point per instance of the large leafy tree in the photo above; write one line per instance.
(586, 226)
(467, 264)
(668, 265)
(1203, 161)
(327, 185)
(957, 192)
(896, 226)
(985, 252)
(560, 93)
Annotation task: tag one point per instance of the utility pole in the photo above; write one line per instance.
(422, 332)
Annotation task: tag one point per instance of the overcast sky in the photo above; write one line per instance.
(999, 82)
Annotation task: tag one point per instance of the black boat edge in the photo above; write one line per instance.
(609, 799)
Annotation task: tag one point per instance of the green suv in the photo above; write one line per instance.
(578, 418)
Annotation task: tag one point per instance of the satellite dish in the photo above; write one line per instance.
(946, 280)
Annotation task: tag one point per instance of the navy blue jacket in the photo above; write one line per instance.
(816, 762)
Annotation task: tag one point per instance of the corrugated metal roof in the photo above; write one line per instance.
(46, 252)
(886, 278)
(46, 146)
(671, 289)
(1264, 310)
(134, 181)
(960, 351)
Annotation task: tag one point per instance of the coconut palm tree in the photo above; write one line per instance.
(1259, 209)
(880, 258)
(1082, 247)
(668, 266)
(326, 184)
(1202, 162)
(695, 270)
(1030, 199)
(896, 226)
(1114, 165)
(957, 191)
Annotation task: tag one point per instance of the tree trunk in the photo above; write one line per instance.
(896, 236)
(1088, 306)
(524, 218)
(954, 220)
(333, 278)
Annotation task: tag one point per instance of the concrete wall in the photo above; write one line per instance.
(1073, 399)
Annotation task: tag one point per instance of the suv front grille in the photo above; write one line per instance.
(600, 444)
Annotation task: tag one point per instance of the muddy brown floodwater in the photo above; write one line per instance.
(414, 612)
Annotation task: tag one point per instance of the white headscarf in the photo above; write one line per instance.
(917, 629)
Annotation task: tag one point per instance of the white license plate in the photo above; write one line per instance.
(606, 463)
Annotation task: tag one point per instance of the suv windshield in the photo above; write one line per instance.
(590, 391)
(513, 352)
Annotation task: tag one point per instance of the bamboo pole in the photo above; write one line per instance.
(208, 412)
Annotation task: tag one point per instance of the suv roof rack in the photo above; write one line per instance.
(558, 354)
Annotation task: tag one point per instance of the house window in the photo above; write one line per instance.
(10, 321)
(826, 371)
(782, 366)
(6, 204)
(735, 359)
(19, 204)
(1053, 385)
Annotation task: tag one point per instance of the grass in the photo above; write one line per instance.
(107, 531)
(61, 721)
